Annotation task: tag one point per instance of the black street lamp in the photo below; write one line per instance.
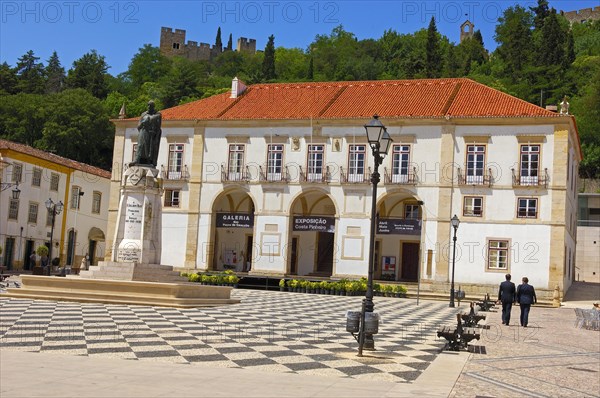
(379, 141)
(16, 192)
(54, 208)
(455, 222)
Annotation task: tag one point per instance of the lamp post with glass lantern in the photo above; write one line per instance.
(54, 209)
(455, 222)
(16, 192)
(379, 141)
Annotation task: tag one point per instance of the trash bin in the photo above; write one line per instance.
(353, 321)
(460, 295)
(371, 322)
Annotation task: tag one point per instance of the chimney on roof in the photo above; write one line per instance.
(237, 87)
(122, 112)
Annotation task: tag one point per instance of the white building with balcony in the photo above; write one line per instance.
(275, 179)
(26, 223)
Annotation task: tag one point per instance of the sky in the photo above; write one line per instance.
(117, 29)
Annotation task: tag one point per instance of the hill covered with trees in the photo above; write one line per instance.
(540, 58)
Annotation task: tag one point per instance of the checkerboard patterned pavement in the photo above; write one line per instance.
(268, 331)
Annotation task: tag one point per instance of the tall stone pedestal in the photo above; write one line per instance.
(138, 233)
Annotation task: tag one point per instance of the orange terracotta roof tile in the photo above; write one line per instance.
(208, 108)
(408, 98)
(419, 98)
(283, 101)
(477, 100)
(37, 153)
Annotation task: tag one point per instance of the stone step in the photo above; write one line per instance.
(181, 295)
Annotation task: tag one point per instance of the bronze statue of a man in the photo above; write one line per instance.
(149, 137)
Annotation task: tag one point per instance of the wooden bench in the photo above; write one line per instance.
(458, 336)
(486, 304)
(471, 318)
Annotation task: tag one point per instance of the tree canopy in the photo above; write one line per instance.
(540, 58)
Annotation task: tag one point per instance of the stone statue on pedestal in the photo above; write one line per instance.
(149, 137)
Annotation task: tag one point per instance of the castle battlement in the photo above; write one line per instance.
(172, 43)
(196, 44)
(583, 15)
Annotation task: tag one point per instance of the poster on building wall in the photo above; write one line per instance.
(235, 220)
(314, 223)
(398, 226)
(229, 257)
(388, 267)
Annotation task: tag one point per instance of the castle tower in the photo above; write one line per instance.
(246, 45)
(172, 42)
(466, 30)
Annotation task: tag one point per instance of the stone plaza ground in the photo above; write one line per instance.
(285, 344)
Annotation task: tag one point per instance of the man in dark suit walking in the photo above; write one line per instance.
(525, 297)
(506, 295)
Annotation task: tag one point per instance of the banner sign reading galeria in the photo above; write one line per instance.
(396, 226)
(235, 220)
(314, 223)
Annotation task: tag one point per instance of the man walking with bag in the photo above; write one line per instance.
(506, 294)
(525, 297)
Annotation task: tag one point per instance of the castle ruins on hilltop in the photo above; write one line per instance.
(172, 43)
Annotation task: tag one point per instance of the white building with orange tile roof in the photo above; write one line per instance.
(274, 179)
(26, 223)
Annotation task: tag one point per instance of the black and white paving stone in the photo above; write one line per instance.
(269, 331)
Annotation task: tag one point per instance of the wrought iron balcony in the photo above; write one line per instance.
(273, 176)
(483, 179)
(530, 181)
(234, 174)
(173, 175)
(403, 179)
(347, 177)
(317, 178)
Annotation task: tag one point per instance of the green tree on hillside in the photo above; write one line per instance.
(90, 73)
(183, 81)
(77, 127)
(147, 65)
(8, 79)
(230, 43)
(268, 66)
(290, 64)
(541, 11)
(22, 117)
(218, 41)
(514, 35)
(433, 54)
(30, 74)
(552, 42)
(55, 74)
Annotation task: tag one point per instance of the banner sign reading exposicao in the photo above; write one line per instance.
(314, 223)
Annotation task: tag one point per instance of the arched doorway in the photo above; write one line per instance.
(95, 236)
(398, 237)
(312, 235)
(233, 231)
